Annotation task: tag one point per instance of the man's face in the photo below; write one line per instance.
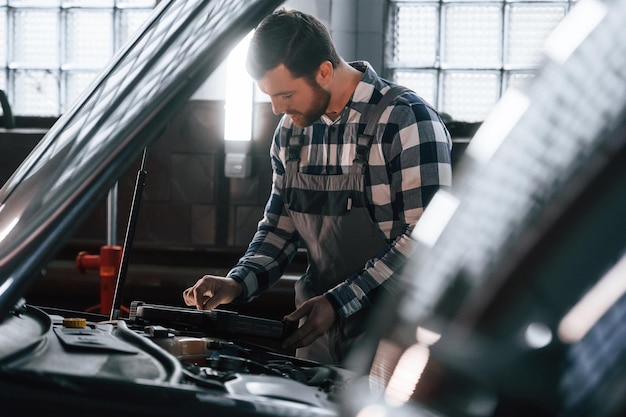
(300, 99)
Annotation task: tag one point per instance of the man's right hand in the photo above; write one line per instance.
(211, 291)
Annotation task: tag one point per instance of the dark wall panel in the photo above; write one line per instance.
(188, 204)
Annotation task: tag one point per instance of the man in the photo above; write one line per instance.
(351, 200)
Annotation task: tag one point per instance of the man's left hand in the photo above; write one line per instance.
(320, 316)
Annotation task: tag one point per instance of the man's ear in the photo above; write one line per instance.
(325, 73)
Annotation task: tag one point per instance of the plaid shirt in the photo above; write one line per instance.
(408, 161)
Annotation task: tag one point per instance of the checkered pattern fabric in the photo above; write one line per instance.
(409, 160)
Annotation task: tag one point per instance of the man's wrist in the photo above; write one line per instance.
(243, 293)
(334, 302)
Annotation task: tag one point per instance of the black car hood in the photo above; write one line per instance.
(89, 147)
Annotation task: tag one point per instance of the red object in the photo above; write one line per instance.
(108, 264)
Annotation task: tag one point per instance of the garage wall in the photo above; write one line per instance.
(188, 203)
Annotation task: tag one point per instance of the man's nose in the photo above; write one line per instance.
(277, 108)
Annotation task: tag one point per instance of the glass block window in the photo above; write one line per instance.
(35, 92)
(423, 81)
(3, 38)
(36, 39)
(528, 25)
(52, 50)
(469, 95)
(89, 38)
(472, 35)
(461, 55)
(419, 44)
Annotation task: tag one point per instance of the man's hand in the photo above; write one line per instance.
(211, 291)
(320, 316)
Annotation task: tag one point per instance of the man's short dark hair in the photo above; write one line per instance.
(295, 39)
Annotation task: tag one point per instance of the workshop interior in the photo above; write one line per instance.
(134, 157)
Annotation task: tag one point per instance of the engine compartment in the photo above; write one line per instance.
(70, 354)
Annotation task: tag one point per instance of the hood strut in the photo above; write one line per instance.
(128, 238)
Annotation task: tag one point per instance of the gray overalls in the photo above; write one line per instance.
(330, 214)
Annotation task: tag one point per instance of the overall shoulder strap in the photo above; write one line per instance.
(295, 140)
(365, 139)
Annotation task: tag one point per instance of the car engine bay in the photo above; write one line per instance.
(74, 355)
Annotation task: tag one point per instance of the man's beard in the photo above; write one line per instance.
(319, 104)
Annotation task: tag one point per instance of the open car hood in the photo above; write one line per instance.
(82, 155)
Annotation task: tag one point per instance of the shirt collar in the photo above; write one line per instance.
(363, 90)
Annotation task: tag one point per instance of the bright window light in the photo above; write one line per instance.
(76, 82)
(36, 93)
(422, 82)
(3, 80)
(89, 38)
(239, 88)
(51, 50)
(419, 26)
(470, 95)
(529, 26)
(36, 37)
(473, 36)
(566, 38)
(471, 50)
(3, 37)
(518, 80)
(130, 21)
